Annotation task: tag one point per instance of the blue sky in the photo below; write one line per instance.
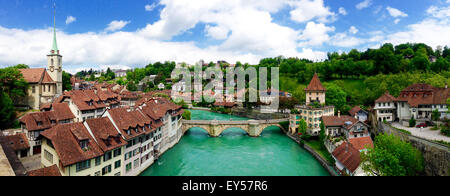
(119, 33)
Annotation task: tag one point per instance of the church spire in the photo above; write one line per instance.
(55, 45)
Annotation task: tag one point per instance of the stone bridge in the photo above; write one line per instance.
(214, 128)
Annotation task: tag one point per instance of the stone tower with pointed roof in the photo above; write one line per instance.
(315, 92)
(54, 62)
(311, 114)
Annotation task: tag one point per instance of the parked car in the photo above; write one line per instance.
(422, 125)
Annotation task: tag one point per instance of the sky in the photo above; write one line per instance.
(126, 34)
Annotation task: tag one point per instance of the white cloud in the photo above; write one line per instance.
(441, 13)
(150, 7)
(396, 21)
(377, 9)
(307, 10)
(315, 34)
(245, 27)
(364, 4)
(116, 25)
(353, 30)
(344, 40)
(70, 19)
(217, 32)
(429, 31)
(395, 12)
(342, 11)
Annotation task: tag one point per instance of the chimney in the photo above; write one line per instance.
(339, 113)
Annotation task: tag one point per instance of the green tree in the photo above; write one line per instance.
(421, 62)
(92, 77)
(13, 83)
(67, 85)
(131, 86)
(412, 122)
(303, 127)
(22, 66)
(7, 112)
(322, 135)
(336, 96)
(392, 157)
(186, 115)
(435, 115)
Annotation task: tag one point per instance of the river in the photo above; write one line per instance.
(235, 154)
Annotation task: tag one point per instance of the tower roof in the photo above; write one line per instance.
(55, 49)
(315, 84)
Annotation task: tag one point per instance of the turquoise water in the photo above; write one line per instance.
(235, 154)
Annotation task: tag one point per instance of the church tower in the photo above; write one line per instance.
(54, 62)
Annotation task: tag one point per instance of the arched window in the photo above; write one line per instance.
(51, 62)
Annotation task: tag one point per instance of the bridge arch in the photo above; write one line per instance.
(204, 129)
(274, 125)
(228, 131)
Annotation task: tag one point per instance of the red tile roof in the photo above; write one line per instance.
(31, 121)
(46, 79)
(62, 111)
(105, 134)
(32, 75)
(133, 121)
(339, 121)
(81, 98)
(361, 143)
(386, 97)
(348, 156)
(65, 138)
(17, 142)
(424, 94)
(46, 171)
(315, 84)
(354, 110)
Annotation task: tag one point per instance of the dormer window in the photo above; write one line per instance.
(129, 131)
(39, 123)
(84, 144)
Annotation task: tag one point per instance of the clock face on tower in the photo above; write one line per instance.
(52, 68)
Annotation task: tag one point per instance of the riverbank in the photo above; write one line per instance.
(317, 155)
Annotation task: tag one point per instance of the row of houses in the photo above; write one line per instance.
(120, 142)
(416, 101)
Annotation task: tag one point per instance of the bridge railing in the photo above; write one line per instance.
(234, 122)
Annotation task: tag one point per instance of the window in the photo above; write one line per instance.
(106, 170)
(33, 89)
(117, 174)
(48, 156)
(136, 163)
(83, 165)
(117, 164)
(97, 173)
(128, 167)
(117, 152)
(107, 156)
(98, 161)
(84, 144)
